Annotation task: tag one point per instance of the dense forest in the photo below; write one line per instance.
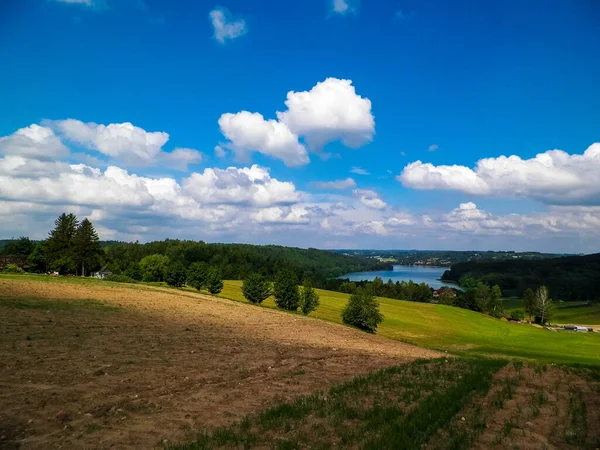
(567, 278)
(237, 261)
(234, 261)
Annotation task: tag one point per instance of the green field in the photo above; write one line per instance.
(458, 330)
(566, 312)
(439, 327)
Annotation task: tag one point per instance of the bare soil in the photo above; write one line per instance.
(146, 366)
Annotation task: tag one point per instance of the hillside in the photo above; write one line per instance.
(567, 278)
(458, 330)
(139, 365)
(95, 365)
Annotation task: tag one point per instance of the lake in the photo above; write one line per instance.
(418, 274)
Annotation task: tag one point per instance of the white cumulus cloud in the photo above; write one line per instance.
(225, 27)
(243, 186)
(34, 141)
(330, 111)
(553, 177)
(249, 132)
(126, 142)
(348, 183)
(369, 198)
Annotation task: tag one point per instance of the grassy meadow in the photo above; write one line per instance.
(458, 330)
(567, 312)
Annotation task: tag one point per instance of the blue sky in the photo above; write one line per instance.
(422, 89)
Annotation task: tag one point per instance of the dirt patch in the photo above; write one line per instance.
(148, 365)
(529, 407)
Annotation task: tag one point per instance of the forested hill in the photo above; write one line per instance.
(237, 261)
(567, 278)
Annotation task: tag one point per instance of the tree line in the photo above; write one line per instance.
(568, 278)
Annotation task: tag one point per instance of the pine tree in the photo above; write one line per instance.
(529, 302)
(362, 311)
(256, 288)
(309, 300)
(214, 281)
(86, 246)
(287, 295)
(60, 243)
(197, 275)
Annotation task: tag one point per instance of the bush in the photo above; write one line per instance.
(517, 314)
(256, 288)
(309, 300)
(12, 268)
(287, 295)
(214, 282)
(119, 278)
(176, 275)
(362, 311)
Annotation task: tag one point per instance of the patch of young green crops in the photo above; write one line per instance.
(397, 407)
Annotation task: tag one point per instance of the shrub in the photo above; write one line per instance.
(12, 268)
(287, 295)
(118, 278)
(517, 314)
(362, 311)
(176, 275)
(256, 288)
(214, 282)
(309, 300)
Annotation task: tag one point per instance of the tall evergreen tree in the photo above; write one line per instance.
(529, 302)
(309, 300)
(60, 243)
(214, 281)
(256, 288)
(86, 246)
(285, 289)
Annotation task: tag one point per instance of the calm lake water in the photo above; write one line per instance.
(418, 274)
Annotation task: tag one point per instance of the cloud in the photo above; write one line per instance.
(331, 111)
(78, 2)
(369, 198)
(281, 215)
(348, 183)
(34, 141)
(249, 132)
(180, 158)
(126, 142)
(225, 27)
(247, 186)
(344, 7)
(433, 147)
(220, 152)
(553, 177)
(359, 171)
(402, 16)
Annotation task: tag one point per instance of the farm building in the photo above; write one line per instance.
(102, 273)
